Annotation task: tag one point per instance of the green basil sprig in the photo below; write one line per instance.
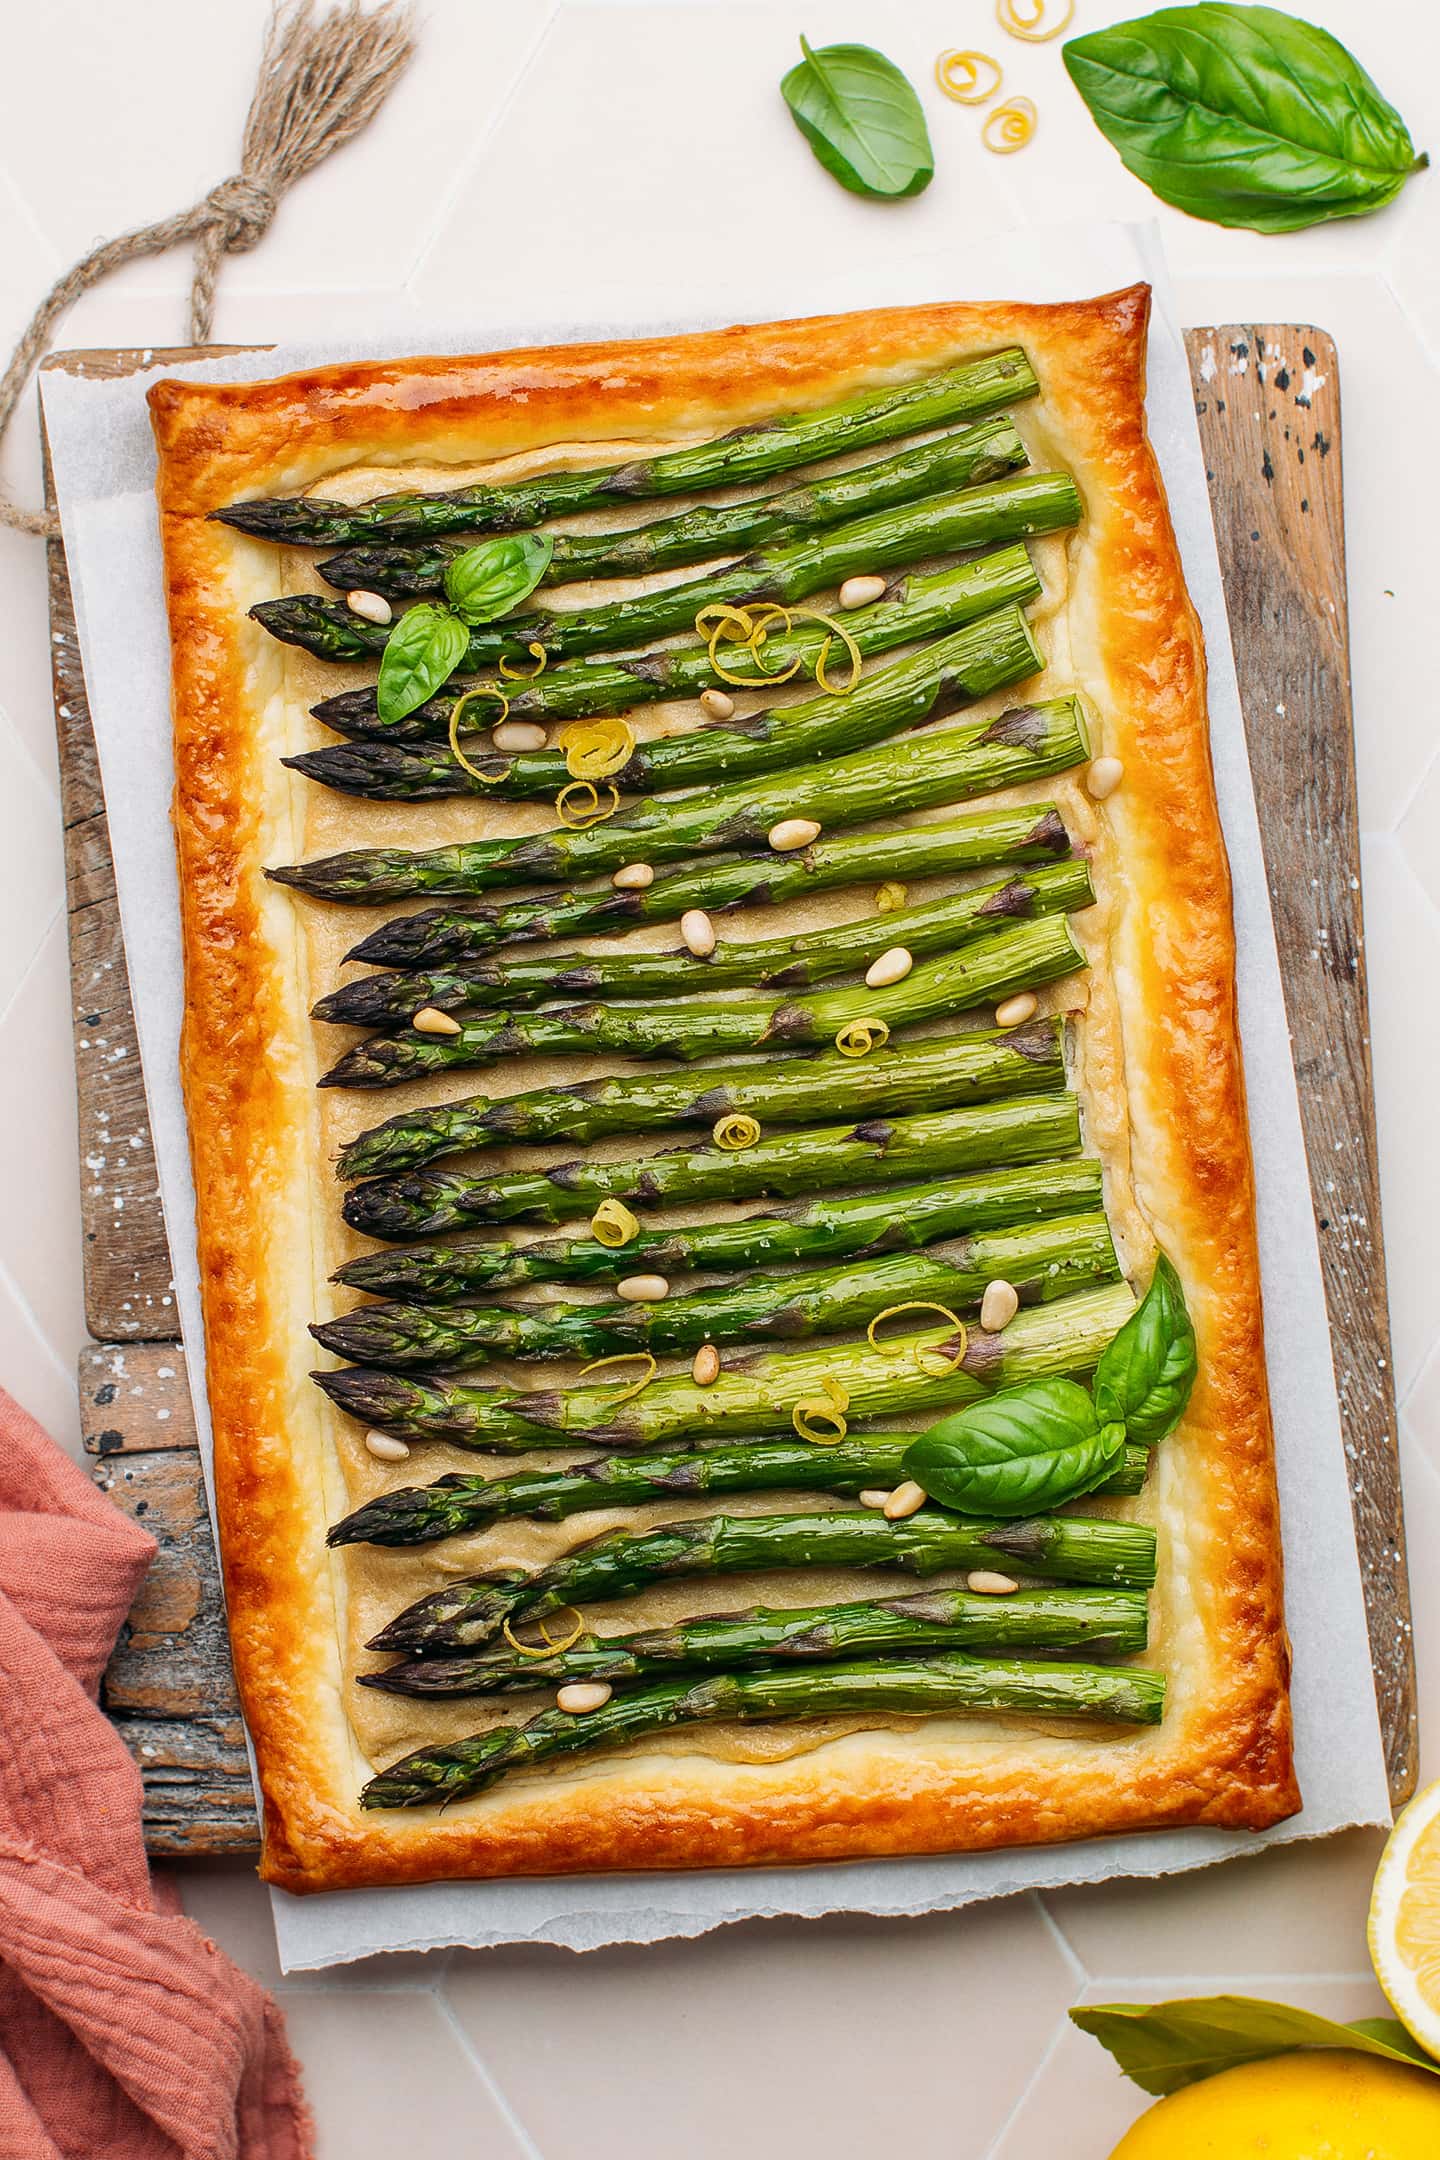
(1145, 1374)
(1244, 116)
(1020, 1451)
(861, 118)
(1165, 2045)
(422, 651)
(482, 582)
(1028, 1448)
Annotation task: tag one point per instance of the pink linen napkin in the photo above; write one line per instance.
(123, 2032)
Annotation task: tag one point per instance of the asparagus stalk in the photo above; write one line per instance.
(988, 969)
(471, 1611)
(809, 1229)
(1044, 1261)
(756, 1392)
(917, 772)
(938, 1073)
(1103, 1623)
(913, 609)
(458, 1503)
(439, 937)
(941, 1686)
(965, 392)
(985, 652)
(951, 524)
(963, 457)
(883, 1151)
(939, 926)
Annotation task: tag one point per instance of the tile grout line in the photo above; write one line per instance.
(467, 165)
(1051, 2049)
(28, 1315)
(50, 787)
(1428, 1467)
(504, 2109)
(1063, 1944)
(1382, 272)
(33, 962)
(1225, 1982)
(1392, 831)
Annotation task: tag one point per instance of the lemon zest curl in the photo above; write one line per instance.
(919, 1351)
(961, 77)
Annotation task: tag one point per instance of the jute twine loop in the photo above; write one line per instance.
(322, 79)
(244, 208)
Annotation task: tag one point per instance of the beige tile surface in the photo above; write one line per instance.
(767, 2034)
(393, 2073)
(626, 161)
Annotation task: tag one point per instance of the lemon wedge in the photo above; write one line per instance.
(1404, 1925)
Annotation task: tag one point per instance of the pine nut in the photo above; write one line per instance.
(634, 877)
(578, 1696)
(643, 1289)
(891, 967)
(717, 704)
(874, 1499)
(907, 1499)
(370, 606)
(518, 735)
(706, 1369)
(999, 1305)
(1014, 1012)
(698, 932)
(386, 1448)
(431, 1021)
(989, 1584)
(792, 833)
(860, 591)
(1103, 777)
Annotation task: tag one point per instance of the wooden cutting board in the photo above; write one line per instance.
(1268, 400)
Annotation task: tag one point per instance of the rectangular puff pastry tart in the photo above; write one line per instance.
(710, 995)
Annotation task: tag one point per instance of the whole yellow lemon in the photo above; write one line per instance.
(1314, 2106)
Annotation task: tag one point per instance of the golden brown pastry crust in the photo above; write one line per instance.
(1223, 1754)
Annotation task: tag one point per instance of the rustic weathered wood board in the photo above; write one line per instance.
(1269, 407)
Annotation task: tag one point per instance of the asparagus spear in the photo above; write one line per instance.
(950, 524)
(917, 772)
(756, 1392)
(985, 652)
(931, 1687)
(811, 1228)
(963, 457)
(437, 937)
(938, 1073)
(886, 1151)
(473, 1610)
(457, 1503)
(987, 969)
(964, 392)
(1043, 1261)
(939, 926)
(1103, 1623)
(913, 609)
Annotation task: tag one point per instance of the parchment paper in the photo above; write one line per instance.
(104, 472)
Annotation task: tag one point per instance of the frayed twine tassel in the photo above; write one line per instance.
(322, 79)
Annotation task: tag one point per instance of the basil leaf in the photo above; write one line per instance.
(425, 646)
(1145, 1375)
(1243, 116)
(1163, 2046)
(861, 118)
(482, 582)
(1019, 1451)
